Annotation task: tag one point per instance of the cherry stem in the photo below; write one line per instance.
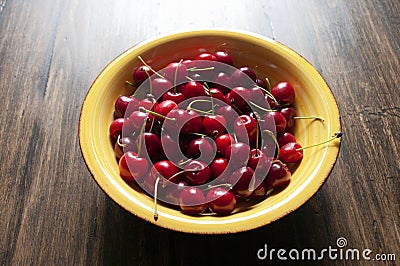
(144, 63)
(200, 69)
(181, 172)
(268, 84)
(212, 98)
(335, 136)
(269, 132)
(197, 134)
(261, 108)
(141, 136)
(197, 110)
(310, 117)
(144, 110)
(155, 198)
(129, 83)
(227, 185)
(176, 74)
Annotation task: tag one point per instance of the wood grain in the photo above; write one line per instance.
(53, 213)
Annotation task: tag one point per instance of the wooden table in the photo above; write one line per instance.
(52, 211)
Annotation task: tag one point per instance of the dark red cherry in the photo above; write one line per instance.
(172, 193)
(230, 115)
(222, 82)
(192, 200)
(291, 152)
(203, 149)
(279, 120)
(122, 103)
(132, 167)
(221, 201)
(218, 167)
(278, 175)
(194, 89)
(197, 173)
(259, 162)
(124, 144)
(151, 142)
(138, 118)
(223, 57)
(239, 97)
(214, 125)
(172, 149)
(244, 76)
(241, 180)
(188, 63)
(223, 142)
(285, 138)
(183, 120)
(163, 108)
(245, 128)
(116, 126)
(206, 56)
(148, 103)
(176, 97)
(160, 86)
(260, 191)
(140, 75)
(289, 113)
(257, 96)
(175, 72)
(284, 93)
(262, 83)
(217, 94)
(237, 154)
(164, 169)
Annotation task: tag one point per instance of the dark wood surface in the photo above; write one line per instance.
(53, 213)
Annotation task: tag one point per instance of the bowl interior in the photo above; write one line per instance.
(272, 60)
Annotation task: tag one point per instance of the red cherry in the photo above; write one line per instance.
(289, 113)
(223, 142)
(188, 63)
(148, 103)
(194, 89)
(122, 103)
(242, 178)
(257, 96)
(116, 126)
(262, 83)
(217, 94)
(164, 169)
(138, 118)
(244, 76)
(152, 144)
(285, 138)
(183, 120)
(176, 97)
(124, 144)
(172, 149)
(132, 167)
(206, 56)
(291, 152)
(237, 154)
(222, 82)
(245, 128)
(284, 93)
(221, 201)
(259, 162)
(192, 200)
(203, 149)
(172, 193)
(223, 57)
(178, 69)
(278, 175)
(260, 191)
(197, 173)
(279, 121)
(239, 97)
(163, 108)
(160, 86)
(214, 125)
(230, 115)
(140, 75)
(217, 167)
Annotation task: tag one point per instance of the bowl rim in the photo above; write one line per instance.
(214, 31)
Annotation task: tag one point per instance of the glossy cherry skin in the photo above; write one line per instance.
(221, 201)
(217, 94)
(150, 142)
(245, 128)
(284, 93)
(194, 89)
(259, 162)
(197, 173)
(138, 118)
(285, 138)
(148, 103)
(229, 113)
(260, 191)
(163, 108)
(223, 142)
(164, 169)
(116, 126)
(176, 97)
(172, 193)
(171, 149)
(241, 180)
(279, 120)
(177, 68)
(237, 154)
(289, 113)
(278, 176)
(206, 56)
(222, 82)
(290, 153)
(214, 125)
(140, 75)
(160, 86)
(239, 97)
(122, 103)
(223, 57)
(183, 120)
(257, 96)
(203, 149)
(132, 167)
(192, 200)
(218, 167)
(124, 144)
(243, 76)
(262, 83)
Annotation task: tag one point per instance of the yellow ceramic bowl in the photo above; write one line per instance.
(275, 61)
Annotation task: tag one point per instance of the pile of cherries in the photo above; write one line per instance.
(201, 133)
